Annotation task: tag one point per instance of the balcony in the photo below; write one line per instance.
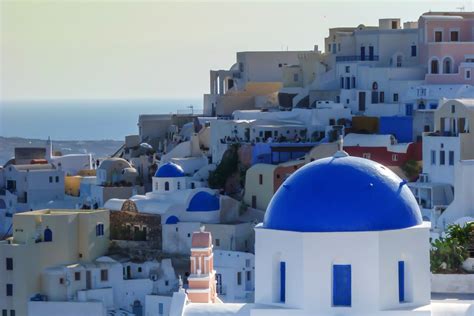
(354, 58)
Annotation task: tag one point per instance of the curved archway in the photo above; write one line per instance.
(434, 65)
(447, 65)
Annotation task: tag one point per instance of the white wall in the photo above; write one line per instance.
(72, 308)
(373, 257)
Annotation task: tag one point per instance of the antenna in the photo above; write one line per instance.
(461, 9)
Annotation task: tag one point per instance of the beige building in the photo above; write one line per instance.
(42, 239)
(263, 180)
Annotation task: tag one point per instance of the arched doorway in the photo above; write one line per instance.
(48, 235)
(434, 66)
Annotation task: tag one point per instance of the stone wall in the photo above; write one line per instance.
(133, 226)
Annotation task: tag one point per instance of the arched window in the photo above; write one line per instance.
(375, 86)
(434, 66)
(167, 186)
(48, 235)
(447, 65)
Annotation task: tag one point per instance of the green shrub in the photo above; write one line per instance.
(448, 253)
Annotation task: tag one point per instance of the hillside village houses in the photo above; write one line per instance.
(397, 97)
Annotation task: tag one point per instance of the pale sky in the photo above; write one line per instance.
(153, 49)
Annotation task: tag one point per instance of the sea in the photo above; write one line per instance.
(84, 119)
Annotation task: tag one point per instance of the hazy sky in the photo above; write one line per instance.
(112, 49)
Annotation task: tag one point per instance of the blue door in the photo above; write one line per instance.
(409, 109)
(282, 281)
(401, 281)
(341, 292)
(371, 53)
(362, 53)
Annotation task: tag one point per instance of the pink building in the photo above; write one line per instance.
(446, 43)
(202, 280)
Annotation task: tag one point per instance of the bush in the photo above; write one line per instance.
(448, 253)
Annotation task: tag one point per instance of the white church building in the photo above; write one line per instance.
(342, 236)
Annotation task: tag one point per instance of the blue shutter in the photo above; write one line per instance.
(341, 292)
(282, 281)
(401, 281)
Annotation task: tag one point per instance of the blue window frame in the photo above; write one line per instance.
(282, 281)
(341, 288)
(401, 281)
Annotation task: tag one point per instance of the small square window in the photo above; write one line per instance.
(189, 235)
(4, 312)
(218, 242)
(61, 280)
(467, 74)
(348, 69)
(57, 179)
(438, 36)
(295, 77)
(77, 276)
(50, 179)
(167, 283)
(442, 157)
(394, 157)
(366, 155)
(395, 97)
(139, 269)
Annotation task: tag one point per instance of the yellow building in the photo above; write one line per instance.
(42, 239)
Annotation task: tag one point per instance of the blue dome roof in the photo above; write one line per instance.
(342, 194)
(204, 202)
(169, 170)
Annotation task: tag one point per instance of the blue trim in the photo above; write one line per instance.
(172, 220)
(401, 281)
(341, 288)
(282, 281)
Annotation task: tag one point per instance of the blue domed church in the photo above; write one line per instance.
(342, 236)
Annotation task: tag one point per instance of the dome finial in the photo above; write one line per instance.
(340, 148)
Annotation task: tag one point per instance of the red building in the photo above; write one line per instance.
(383, 149)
